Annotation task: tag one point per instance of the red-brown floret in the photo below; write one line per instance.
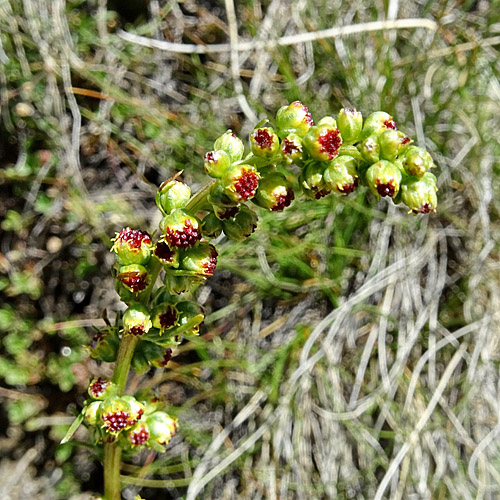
(115, 422)
(321, 193)
(283, 201)
(184, 238)
(212, 262)
(163, 252)
(169, 317)
(166, 357)
(139, 436)
(386, 189)
(263, 139)
(229, 213)
(330, 142)
(134, 237)
(348, 188)
(424, 209)
(390, 124)
(135, 281)
(246, 184)
(98, 387)
(290, 148)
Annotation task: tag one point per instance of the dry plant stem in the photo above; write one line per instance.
(113, 452)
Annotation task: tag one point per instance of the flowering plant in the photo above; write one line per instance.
(153, 274)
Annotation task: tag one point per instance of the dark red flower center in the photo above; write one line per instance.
(136, 330)
(405, 140)
(183, 238)
(117, 421)
(139, 436)
(163, 252)
(134, 280)
(290, 148)
(330, 142)
(349, 188)
(321, 193)
(424, 209)
(209, 265)
(169, 317)
(282, 201)
(246, 184)
(134, 237)
(390, 124)
(263, 138)
(98, 387)
(166, 357)
(386, 188)
(307, 117)
(210, 156)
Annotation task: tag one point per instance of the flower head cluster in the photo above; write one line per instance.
(132, 422)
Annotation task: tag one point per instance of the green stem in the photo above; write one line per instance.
(198, 200)
(112, 451)
(112, 455)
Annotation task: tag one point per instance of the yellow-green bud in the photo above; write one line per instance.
(101, 388)
(378, 122)
(240, 182)
(274, 193)
(180, 229)
(350, 124)
(136, 320)
(132, 246)
(370, 149)
(169, 257)
(312, 180)
(231, 144)
(392, 143)
(216, 163)
(384, 178)
(341, 175)
(164, 317)
(417, 161)
(293, 119)
(201, 259)
(171, 195)
(92, 412)
(419, 194)
(291, 149)
(134, 278)
(264, 142)
(161, 427)
(323, 141)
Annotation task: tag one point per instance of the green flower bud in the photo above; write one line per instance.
(180, 284)
(201, 259)
(370, 149)
(104, 346)
(136, 407)
(242, 226)
(180, 229)
(217, 163)
(134, 278)
(132, 246)
(161, 427)
(101, 388)
(171, 195)
(312, 182)
(167, 256)
(392, 143)
(419, 195)
(116, 415)
(327, 120)
(384, 178)
(240, 182)
(378, 122)
(165, 316)
(274, 193)
(350, 124)
(264, 142)
(92, 411)
(138, 435)
(136, 320)
(231, 144)
(322, 142)
(417, 161)
(341, 175)
(293, 119)
(212, 226)
(291, 149)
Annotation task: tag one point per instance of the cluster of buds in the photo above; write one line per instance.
(132, 421)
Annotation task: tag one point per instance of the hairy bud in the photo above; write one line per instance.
(180, 229)
(323, 141)
(417, 161)
(341, 175)
(264, 142)
(201, 259)
(100, 388)
(231, 144)
(293, 119)
(240, 183)
(274, 193)
(419, 194)
(370, 149)
(292, 149)
(216, 163)
(384, 178)
(393, 143)
(132, 246)
(350, 124)
(171, 195)
(136, 320)
(134, 278)
(242, 226)
(378, 122)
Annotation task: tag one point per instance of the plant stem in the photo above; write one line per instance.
(198, 200)
(112, 451)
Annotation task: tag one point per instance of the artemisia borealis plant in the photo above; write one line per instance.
(152, 275)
